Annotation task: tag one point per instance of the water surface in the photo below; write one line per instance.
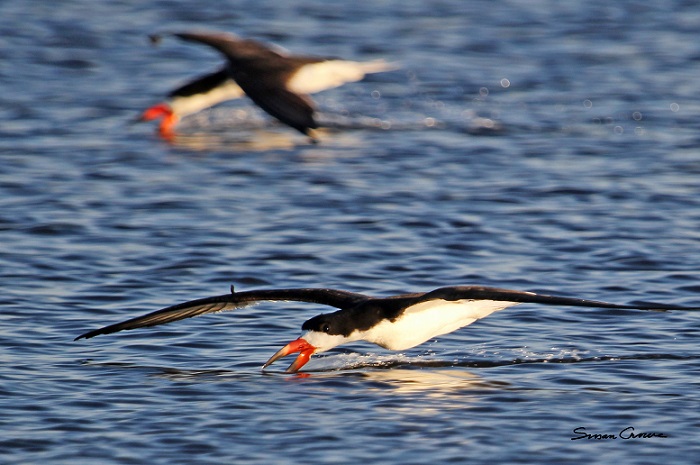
(541, 145)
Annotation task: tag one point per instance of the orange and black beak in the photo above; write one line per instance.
(305, 350)
(162, 110)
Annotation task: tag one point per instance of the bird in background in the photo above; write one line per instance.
(277, 82)
(396, 323)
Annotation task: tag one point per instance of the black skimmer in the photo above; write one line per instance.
(276, 82)
(192, 97)
(396, 323)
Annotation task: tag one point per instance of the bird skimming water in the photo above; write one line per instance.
(397, 322)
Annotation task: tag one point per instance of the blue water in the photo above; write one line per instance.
(537, 145)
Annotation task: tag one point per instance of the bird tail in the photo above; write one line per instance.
(378, 66)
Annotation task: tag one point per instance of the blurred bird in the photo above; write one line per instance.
(278, 83)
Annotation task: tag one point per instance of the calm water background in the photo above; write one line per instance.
(537, 145)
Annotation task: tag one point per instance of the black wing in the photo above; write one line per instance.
(262, 73)
(202, 84)
(509, 295)
(292, 109)
(330, 297)
(236, 49)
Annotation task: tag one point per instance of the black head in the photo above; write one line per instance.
(345, 322)
(324, 323)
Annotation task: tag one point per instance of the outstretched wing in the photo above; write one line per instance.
(233, 47)
(331, 297)
(294, 110)
(263, 73)
(508, 295)
(202, 84)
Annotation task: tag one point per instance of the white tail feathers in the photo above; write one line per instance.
(316, 77)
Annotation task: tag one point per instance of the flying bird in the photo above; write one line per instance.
(277, 82)
(192, 97)
(397, 323)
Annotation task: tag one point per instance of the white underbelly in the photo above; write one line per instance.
(427, 320)
(183, 106)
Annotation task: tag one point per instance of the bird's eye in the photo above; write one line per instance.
(325, 328)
